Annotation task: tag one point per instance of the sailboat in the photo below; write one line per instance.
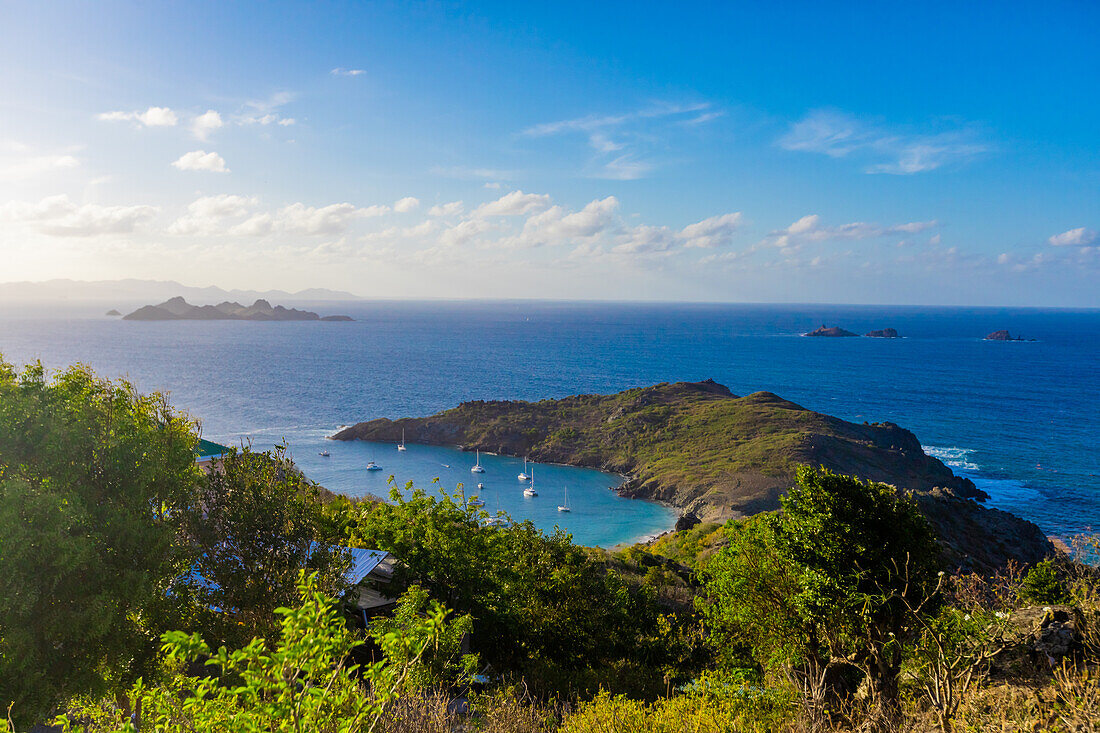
(401, 445)
(530, 490)
(324, 453)
(371, 465)
(523, 476)
(477, 466)
(565, 507)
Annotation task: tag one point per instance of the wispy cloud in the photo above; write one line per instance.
(474, 173)
(883, 149)
(341, 71)
(623, 144)
(1079, 237)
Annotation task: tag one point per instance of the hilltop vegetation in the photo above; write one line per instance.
(827, 615)
(719, 456)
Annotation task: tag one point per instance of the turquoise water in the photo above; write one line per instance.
(598, 517)
(1021, 419)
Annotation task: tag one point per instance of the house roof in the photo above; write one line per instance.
(209, 449)
(362, 563)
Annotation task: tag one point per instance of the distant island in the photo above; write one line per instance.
(113, 312)
(831, 332)
(886, 333)
(178, 309)
(1004, 335)
(718, 456)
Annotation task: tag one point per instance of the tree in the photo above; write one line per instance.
(541, 606)
(826, 583)
(256, 521)
(303, 680)
(93, 477)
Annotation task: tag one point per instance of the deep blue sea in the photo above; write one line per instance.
(1021, 418)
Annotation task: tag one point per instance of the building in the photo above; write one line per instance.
(207, 453)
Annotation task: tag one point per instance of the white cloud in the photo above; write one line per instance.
(464, 232)
(465, 173)
(152, 117)
(264, 111)
(204, 124)
(713, 232)
(1079, 237)
(200, 160)
(340, 71)
(556, 226)
(407, 204)
(623, 144)
(58, 216)
(207, 215)
(515, 203)
(257, 225)
(298, 218)
(901, 152)
(809, 229)
(454, 208)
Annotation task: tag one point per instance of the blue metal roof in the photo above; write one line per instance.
(362, 563)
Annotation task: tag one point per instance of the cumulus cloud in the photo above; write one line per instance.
(515, 203)
(340, 71)
(883, 150)
(710, 233)
(1079, 237)
(204, 124)
(152, 117)
(298, 218)
(464, 232)
(454, 208)
(200, 160)
(209, 214)
(556, 225)
(59, 217)
(407, 204)
(713, 232)
(810, 229)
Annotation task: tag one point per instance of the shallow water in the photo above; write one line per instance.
(1021, 419)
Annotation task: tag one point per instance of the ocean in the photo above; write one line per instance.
(1022, 419)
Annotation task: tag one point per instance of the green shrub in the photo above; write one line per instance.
(1043, 584)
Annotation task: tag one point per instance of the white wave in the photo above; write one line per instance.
(954, 457)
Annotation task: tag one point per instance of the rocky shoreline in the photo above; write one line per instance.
(716, 456)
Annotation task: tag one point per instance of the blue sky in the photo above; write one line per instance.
(839, 152)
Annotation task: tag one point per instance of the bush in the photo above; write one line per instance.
(1043, 584)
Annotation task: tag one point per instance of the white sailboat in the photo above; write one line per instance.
(477, 466)
(565, 507)
(401, 445)
(523, 476)
(530, 490)
(371, 465)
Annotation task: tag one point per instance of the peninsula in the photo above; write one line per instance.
(718, 456)
(178, 309)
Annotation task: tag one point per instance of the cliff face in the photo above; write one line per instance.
(699, 447)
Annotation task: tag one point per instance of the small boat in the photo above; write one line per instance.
(565, 507)
(480, 487)
(475, 502)
(523, 476)
(530, 490)
(401, 445)
(372, 466)
(477, 466)
(324, 453)
(494, 522)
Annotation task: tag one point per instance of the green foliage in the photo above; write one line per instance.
(690, 546)
(256, 522)
(828, 578)
(434, 662)
(541, 606)
(1043, 584)
(93, 477)
(305, 682)
(713, 706)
